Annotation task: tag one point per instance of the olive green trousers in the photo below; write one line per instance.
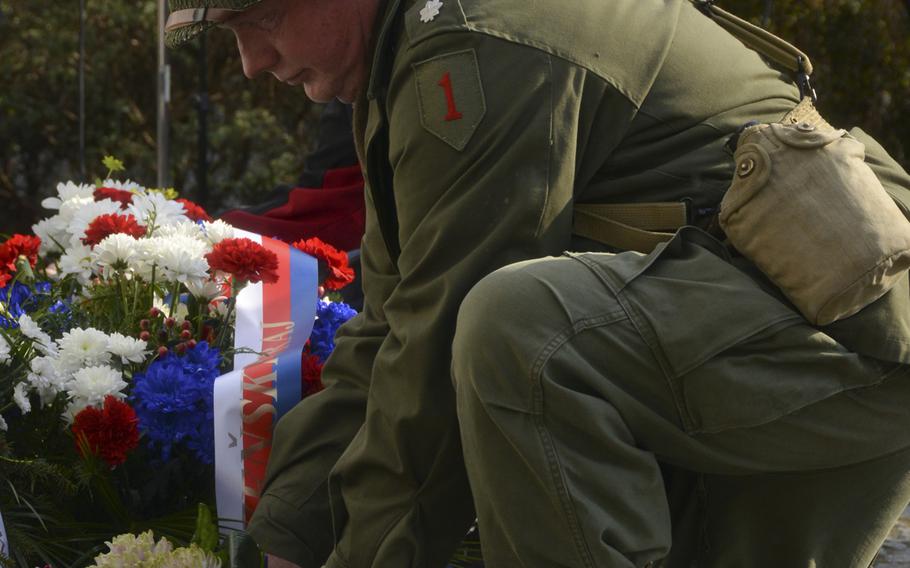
(616, 407)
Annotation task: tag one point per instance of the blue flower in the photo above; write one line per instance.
(174, 402)
(329, 317)
(205, 359)
(19, 298)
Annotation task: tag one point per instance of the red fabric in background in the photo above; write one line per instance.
(335, 213)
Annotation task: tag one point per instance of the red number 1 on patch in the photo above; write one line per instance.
(446, 84)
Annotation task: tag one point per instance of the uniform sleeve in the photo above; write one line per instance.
(470, 199)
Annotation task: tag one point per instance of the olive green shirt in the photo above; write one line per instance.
(484, 122)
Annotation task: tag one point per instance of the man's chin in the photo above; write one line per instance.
(318, 95)
(327, 93)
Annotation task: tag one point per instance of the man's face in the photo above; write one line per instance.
(321, 44)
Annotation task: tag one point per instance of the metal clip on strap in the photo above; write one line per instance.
(771, 46)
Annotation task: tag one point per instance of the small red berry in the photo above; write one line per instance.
(170, 322)
(162, 351)
(145, 336)
(180, 348)
(187, 324)
(144, 324)
(185, 334)
(191, 343)
(154, 312)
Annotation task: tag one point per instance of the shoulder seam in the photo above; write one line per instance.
(469, 28)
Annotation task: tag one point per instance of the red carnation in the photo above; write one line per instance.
(119, 195)
(109, 224)
(194, 211)
(340, 274)
(5, 277)
(110, 432)
(16, 246)
(312, 374)
(7, 259)
(244, 259)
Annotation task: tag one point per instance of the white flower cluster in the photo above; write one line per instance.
(86, 364)
(143, 552)
(173, 250)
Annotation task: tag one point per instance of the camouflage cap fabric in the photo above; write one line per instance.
(177, 35)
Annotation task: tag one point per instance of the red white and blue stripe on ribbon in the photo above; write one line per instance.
(4, 543)
(275, 321)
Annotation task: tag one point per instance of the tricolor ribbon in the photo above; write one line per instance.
(273, 320)
(4, 543)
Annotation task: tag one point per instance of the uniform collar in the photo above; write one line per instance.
(383, 52)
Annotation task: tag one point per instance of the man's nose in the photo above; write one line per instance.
(257, 56)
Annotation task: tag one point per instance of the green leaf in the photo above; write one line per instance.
(167, 192)
(206, 535)
(242, 551)
(112, 164)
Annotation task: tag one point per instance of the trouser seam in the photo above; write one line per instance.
(704, 543)
(565, 499)
(543, 433)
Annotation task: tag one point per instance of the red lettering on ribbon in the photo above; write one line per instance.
(258, 413)
(258, 408)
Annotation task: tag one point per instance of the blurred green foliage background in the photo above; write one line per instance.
(261, 130)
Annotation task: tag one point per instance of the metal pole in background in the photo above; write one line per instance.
(82, 89)
(766, 16)
(164, 97)
(202, 108)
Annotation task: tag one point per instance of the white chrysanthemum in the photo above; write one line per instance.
(4, 350)
(205, 290)
(83, 347)
(172, 259)
(128, 185)
(116, 253)
(130, 550)
(133, 550)
(185, 229)
(217, 231)
(45, 378)
(154, 209)
(182, 259)
(88, 213)
(146, 254)
(129, 349)
(77, 260)
(66, 192)
(69, 208)
(53, 234)
(42, 341)
(90, 385)
(3, 426)
(20, 397)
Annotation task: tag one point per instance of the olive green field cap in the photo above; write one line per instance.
(188, 18)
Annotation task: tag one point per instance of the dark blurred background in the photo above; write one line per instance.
(259, 131)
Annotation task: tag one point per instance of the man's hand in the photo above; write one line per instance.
(276, 562)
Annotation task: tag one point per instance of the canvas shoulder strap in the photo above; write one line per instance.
(642, 226)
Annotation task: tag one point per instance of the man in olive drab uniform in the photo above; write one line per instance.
(481, 125)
